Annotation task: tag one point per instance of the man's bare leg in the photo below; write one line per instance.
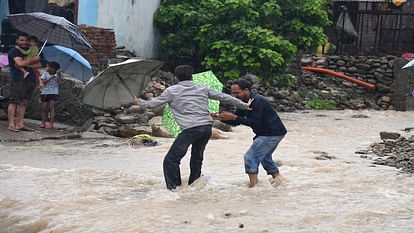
(11, 111)
(52, 105)
(253, 180)
(21, 110)
(43, 114)
(276, 181)
(274, 175)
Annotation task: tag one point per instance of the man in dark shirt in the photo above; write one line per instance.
(21, 88)
(266, 124)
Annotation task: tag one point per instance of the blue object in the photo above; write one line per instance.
(88, 12)
(70, 61)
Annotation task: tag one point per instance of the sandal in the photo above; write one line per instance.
(13, 129)
(25, 128)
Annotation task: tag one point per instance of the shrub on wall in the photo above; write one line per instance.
(233, 37)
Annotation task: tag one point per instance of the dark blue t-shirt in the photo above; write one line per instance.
(16, 74)
(263, 119)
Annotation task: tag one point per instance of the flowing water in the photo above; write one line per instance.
(104, 186)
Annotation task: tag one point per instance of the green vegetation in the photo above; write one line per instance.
(320, 104)
(315, 102)
(233, 37)
(285, 80)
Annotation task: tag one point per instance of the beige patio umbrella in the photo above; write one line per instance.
(119, 83)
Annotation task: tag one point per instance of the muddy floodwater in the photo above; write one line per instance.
(106, 186)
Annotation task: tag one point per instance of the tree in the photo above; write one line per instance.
(233, 37)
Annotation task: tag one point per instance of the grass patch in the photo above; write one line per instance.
(321, 104)
(315, 102)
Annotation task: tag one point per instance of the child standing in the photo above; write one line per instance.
(31, 52)
(48, 96)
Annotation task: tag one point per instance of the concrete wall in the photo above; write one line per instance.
(4, 10)
(132, 21)
(87, 12)
(403, 86)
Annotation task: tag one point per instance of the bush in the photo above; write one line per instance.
(286, 81)
(233, 37)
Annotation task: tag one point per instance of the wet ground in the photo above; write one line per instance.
(61, 131)
(105, 185)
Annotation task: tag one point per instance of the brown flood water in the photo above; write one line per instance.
(85, 186)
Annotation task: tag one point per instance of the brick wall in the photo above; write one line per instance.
(103, 44)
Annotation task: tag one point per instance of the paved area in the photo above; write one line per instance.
(61, 131)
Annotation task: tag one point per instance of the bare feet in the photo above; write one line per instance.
(50, 126)
(277, 180)
(253, 180)
(274, 175)
(13, 129)
(25, 128)
(43, 125)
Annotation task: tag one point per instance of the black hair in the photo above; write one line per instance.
(184, 72)
(34, 38)
(22, 34)
(54, 65)
(243, 83)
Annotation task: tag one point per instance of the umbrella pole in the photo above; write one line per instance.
(125, 85)
(43, 46)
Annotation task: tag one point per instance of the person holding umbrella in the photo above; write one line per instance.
(21, 88)
(189, 104)
(32, 51)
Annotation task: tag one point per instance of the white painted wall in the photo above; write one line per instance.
(132, 21)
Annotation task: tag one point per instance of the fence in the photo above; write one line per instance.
(382, 28)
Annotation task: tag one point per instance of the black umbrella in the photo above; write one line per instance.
(50, 28)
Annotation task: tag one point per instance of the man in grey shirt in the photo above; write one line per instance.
(189, 104)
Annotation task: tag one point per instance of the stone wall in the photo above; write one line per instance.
(103, 45)
(403, 86)
(375, 70)
(69, 108)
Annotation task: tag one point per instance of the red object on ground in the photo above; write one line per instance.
(339, 75)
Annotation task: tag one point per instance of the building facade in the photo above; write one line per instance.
(131, 20)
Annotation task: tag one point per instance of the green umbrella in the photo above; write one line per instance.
(206, 78)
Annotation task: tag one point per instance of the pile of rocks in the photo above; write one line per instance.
(130, 120)
(121, 122)
(394, 150)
